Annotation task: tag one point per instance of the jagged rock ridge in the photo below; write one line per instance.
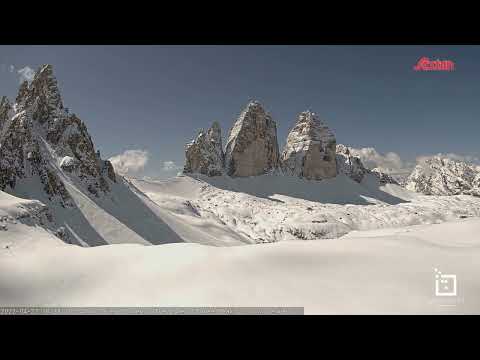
(204, 155)
(310, 149)
(443, 176)
(349, 164)
(383, 177)
(38, 134)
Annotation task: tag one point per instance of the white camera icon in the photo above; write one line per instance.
(445, 284)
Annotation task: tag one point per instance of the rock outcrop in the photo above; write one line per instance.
(349, 164)
(310, 152)
(443, 176)
(39, 136)
(252, 147)
(204, 155)
(383, 177)
(310, 149)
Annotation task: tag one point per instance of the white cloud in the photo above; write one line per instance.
(390, 162)
(170, 166)
(26, 73)
(6, 68)
(130, 161)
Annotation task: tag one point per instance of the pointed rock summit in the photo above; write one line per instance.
(41, 96)
(39, 137)
(310, 149)
(204, 155)
(252, 147)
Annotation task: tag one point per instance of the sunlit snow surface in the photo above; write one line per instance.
(389, 242)
(274, 208)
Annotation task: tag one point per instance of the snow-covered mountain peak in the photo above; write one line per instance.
(254, 104)
(308, 115)
(310, 127)
(41, 95)
(39, 133)
(440, 175)
(253, 112)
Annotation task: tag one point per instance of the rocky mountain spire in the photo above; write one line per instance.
(41, 96)
(41, 134)
(204, 155)
(252, 147)
(310, 149)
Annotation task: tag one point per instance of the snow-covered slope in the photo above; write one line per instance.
(175, 200)
(124, 216)
(271, 208)
(26, 223)
(382, 271)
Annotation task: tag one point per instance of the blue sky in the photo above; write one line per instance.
(156, 98)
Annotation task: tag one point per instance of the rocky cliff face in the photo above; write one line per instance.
(310, 149)
(252, 147)
(443, 176)
(5, 112)
(204, 155)
(349, 164)
(40, 139)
